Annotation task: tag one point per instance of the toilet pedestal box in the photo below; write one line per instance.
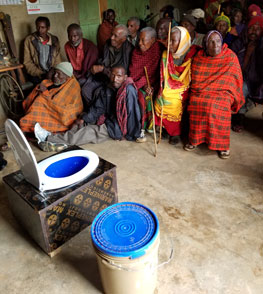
(54, 217)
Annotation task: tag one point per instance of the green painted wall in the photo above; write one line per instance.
(125, 9)
(89, 18)
(89, 15)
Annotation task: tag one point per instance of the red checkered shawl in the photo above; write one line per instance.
(216, 90)
(121, 109)
(55, 109)
(150, 59)
(218, 76)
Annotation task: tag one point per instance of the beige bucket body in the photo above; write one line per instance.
(121, 275)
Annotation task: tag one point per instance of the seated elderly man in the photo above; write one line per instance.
(147, 55)
(117, 52)
(133, 25)
(54, 104)
(115, 114)
(81, 53)
(249, 48)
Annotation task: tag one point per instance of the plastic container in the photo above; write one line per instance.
(126, 239)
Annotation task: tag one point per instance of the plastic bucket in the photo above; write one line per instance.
(126, 238)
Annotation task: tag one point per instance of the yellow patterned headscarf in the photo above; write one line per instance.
(224, 18)
(185, 42)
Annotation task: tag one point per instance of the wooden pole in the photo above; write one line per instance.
(154, 133)
(165, 74)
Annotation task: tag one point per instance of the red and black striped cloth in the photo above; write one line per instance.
(216, 91)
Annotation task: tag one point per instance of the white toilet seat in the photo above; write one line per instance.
(54, 172)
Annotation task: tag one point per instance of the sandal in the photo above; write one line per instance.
(238, 128)
(224, 154)
(189, 147)
(5, 147)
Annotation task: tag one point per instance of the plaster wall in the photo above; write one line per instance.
(24, 24)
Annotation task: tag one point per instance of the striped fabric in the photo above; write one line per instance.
(54, 109)
(185, 42)
(216, 90)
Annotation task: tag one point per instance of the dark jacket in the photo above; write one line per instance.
(105, 104)
(253, 74)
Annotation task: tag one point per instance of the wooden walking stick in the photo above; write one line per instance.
(154, 133)
(165, 75)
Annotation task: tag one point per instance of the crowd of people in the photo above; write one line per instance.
(203, 74)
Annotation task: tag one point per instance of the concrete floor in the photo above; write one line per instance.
(210, 211)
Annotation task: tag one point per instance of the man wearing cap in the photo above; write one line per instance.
(189, 22)
(115, 114)
(249, 48)
(54, 104)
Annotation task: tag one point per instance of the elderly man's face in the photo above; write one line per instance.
(59, 77)
(162, 30)
(222, 27)
(132, 27)
(254, 32)
(117, 77)
(118, 38)
(74, 37)
(146, 41)
(214, 45)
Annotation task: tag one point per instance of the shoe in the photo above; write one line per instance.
(40, 133)
(173, 140)
(189, 147)
(224, 154)
(52, 147)
(3, 163)
(142, 138)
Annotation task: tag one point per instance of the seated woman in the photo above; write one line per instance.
(223, 26)
(216, 90)
(175, 82)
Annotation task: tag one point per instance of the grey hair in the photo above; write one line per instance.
(135, 19)
(124, 28)
(150, 30)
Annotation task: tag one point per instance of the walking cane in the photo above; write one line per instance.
(165, 74)
(151, 98)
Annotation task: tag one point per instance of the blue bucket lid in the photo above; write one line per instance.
(125, 229)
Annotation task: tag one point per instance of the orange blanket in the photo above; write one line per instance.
(55, 109)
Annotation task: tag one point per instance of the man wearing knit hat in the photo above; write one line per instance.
(254, 10)
(54, 104)
(189, 22)
(249, 48)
